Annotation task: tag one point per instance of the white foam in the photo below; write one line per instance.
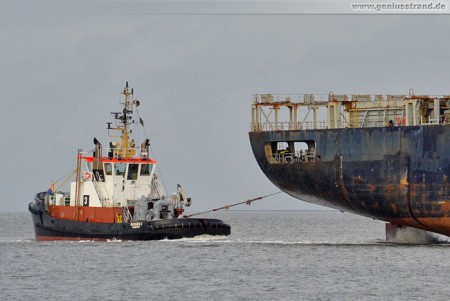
(408, 235)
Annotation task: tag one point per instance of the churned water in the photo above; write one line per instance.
(269, 256)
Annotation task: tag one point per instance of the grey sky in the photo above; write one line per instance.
(64, 63)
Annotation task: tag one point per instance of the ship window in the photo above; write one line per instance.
(146, 169)
(132, 171)
(282, 146)
(301, 147)
(291, 152)
(119, 169)
(108, 169)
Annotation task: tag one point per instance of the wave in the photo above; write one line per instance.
(378, 242)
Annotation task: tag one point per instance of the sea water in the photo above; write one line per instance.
(271, 255)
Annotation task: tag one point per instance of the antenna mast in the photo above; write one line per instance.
(124, 148)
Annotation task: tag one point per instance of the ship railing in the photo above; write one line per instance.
(367, 123)
(444, 120)
(308, 98)
(103, 196)
(157, 190)
(294, 98)
(115, 152)
(283, 126)
(295, 157)
(431, 121)
(346, 111)
(310, 125)
(126, 214)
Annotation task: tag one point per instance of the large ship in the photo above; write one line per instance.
(117, 196)
(381, 156)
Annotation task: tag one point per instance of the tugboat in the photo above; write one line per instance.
(118, 196)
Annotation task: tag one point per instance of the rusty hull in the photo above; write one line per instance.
(397, 174)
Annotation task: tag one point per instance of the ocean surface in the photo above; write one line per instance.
(271, 255)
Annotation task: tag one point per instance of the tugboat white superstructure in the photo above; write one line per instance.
(117, 196)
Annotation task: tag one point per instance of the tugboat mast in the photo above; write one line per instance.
(77, 186)
(125, 148)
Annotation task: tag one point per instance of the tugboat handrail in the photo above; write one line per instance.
(102, 195)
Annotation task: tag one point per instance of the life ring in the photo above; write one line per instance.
(87, 175)
(399, 121)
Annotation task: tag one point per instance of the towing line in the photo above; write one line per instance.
(248, 202)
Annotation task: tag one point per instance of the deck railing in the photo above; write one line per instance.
(281, 126)
(296, 157)
(272, 112)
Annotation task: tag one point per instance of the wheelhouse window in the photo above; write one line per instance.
(132, 171)
(108, 169)
(146, 169)
(119, 169)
